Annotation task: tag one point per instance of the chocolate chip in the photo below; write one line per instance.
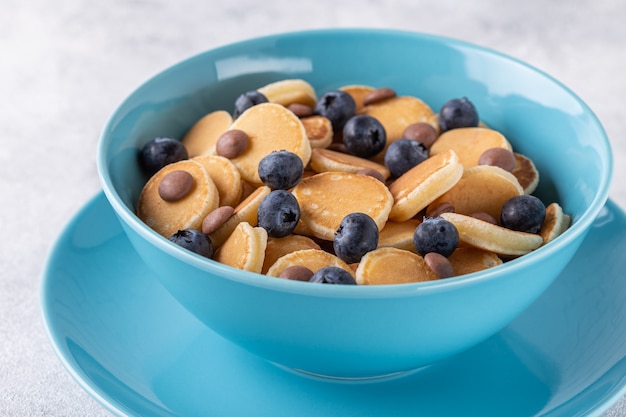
(424, 133)
(300, 110)
(216, 218)
(232, 143)
(175, 185)
(439, 264)
(499, 157)
(296, 273)
(372, 173)
(378, 95)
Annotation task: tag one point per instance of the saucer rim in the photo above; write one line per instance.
(116, 407)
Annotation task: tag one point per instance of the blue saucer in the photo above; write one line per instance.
(131, 346)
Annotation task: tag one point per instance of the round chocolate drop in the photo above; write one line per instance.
(424, 133)
(296, 273)
(499, 157)
(377, 95)
(439, 264)
(216, 218)
(232, 143)
(175, 185)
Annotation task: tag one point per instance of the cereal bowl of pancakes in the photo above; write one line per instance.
(354, 203)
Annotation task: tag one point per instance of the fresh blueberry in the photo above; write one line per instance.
(524, 213)
(404, 154)
(356, 235)
(364, 136)
(458, 112)
(194, 240)
(247, 100)
(332, 275)
(160, 152)
(337, 106)
(281, 170)
(278, 213)
(436, 234)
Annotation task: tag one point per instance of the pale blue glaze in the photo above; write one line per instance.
(363, 331)
(129, 344)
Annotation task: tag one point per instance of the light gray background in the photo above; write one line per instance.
(66, 64)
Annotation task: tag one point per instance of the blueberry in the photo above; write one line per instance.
(404, 154)
(247, 100)
(364, 136)
(160, 152)
(332, 275)
(193, 240)
(356, 235)
(458, 112)
(281, 170)
(524, 213)
(278, 213)
(337, 106)
(436, 234)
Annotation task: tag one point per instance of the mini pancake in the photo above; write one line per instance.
(270, 127)
(246, 211)
(319, 130)
(278, 247)
(314, 259)
(398, 235)
(290, 91)
(246, 189)
(395, 114)
(324, 160)
(555, 223)
(244, 248)
(526, 173)
(226, 177)
(491, 237)
(326, 198)
(168, 217)
(392, 266)
(203, 135)
(466, 260)
(423, 184)
(483, 188)
(302, 229)
(469, 143)
(358, 93)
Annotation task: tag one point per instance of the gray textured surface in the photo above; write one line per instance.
(65, 65)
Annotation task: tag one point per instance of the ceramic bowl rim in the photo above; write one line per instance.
(348, 291)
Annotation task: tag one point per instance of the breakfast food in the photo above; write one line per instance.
(396, 113)
(269, 127)
(469, 143)
(326, 198)
(167, 217)
(326, 160)
(314, 259)
(423, 184)
(225, 176)
(318, 129)
(393, 266)
(278, 247)
(202, 137)
(483, 188)
(244, 248)
(358, 185)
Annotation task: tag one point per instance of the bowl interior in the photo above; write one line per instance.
(542, 118)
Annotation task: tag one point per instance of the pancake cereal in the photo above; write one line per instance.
(469, 173)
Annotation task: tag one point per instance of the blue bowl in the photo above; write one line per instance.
(363, 331)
